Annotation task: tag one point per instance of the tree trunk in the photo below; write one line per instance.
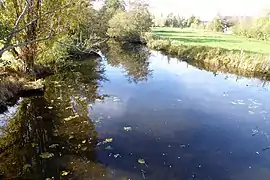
(29, 52)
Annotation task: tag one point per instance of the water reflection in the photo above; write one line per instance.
(98, 121)
(52, 136)
(133, 59)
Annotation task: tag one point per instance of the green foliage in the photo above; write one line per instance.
(130, 25)
(108, 10)
(213, 50)
(215, 58)
(257, 28)
(178, 21)
(50, 21)
(216, 25)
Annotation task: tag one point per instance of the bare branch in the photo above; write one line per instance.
(35, 19)
(24, 44)
(19, 19)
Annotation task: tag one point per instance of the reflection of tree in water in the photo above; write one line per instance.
(133, 58)
(56, 127)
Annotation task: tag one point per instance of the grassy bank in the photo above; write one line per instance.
(220, 54)
(212, 39)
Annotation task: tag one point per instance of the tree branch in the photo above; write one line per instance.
(23, 44)
(19, 19)
(35, 19)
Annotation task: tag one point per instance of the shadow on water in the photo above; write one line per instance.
(52, 136)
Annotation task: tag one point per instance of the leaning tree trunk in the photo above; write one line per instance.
(29, 52)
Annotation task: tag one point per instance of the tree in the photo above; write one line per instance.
(216, 25)
(108, 10)
(29, 23)
(191, 20)
(169, 20)
(129, 26)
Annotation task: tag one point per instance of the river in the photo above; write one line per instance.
(137, 114)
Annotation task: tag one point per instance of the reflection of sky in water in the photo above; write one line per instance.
(8, 114)
(217, 125)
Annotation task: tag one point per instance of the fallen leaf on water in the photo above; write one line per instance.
(83, 99)
(46, 155)
(69, 107)
(71, 117)
(141, 161)
(53, 145)
(26, 166)
(84, 148)
(108, 140)
(116, 155)
(108, 148)
(64, 173)
(127, 128)
(34, 144)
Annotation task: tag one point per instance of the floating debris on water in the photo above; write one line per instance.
(83, 99)
(84, 141)
(183, 146)
(143, 173)
(255, 132)
(267, 148)
(116, 155)
(50, 107)
(71, 117)
(53, 145)
(108, 148)
(84, 148)
(64, 173)
(127, 129)
(257, 153)
(107, 140)
(46, 155)
(141, 161)
(69, 107)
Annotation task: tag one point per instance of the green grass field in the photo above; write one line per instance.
(204, 38)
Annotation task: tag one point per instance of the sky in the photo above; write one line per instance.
(206, 9)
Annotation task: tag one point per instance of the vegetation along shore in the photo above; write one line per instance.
(221, 51)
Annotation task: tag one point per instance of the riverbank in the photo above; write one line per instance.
(232, 61)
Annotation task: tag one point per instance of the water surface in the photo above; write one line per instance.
(139, 114)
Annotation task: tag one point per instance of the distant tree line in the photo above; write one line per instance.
(258, 28)
(218, 24)
(250, 27)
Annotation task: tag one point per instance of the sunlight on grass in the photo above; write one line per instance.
(205, 38)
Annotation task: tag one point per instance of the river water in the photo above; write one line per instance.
(137, 114)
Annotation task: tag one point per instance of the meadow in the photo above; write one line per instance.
(212, 39)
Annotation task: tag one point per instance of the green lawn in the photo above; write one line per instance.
(204, 38)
